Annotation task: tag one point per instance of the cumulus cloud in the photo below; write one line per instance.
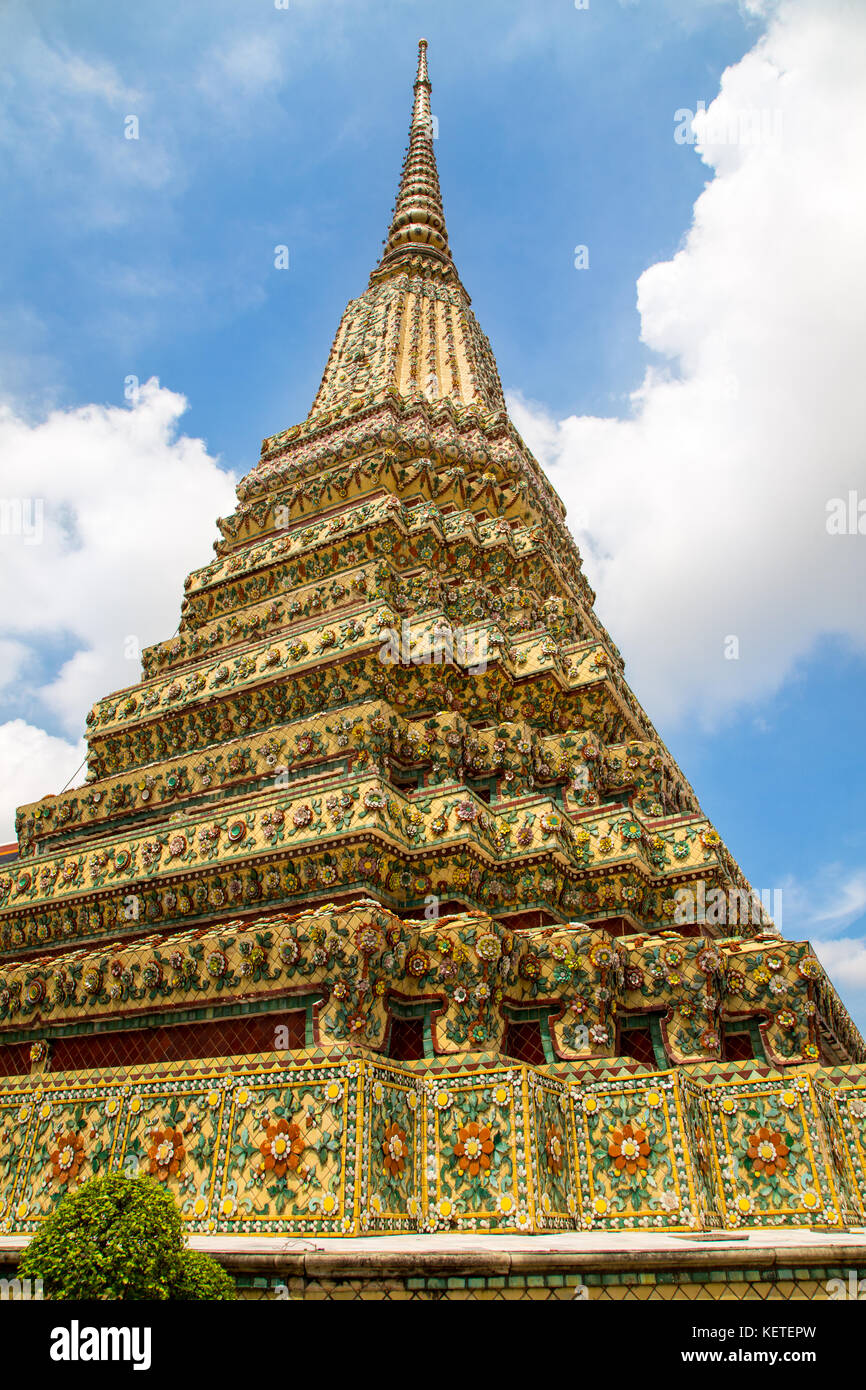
(703, 516)
(832, 900)
(103, 512)
(34, 762)
(844, 959)
(828, 910)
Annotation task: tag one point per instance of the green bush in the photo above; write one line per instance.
(119, 1238)
(203, 1278)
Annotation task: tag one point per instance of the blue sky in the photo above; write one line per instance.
(258, 126)
(155, 256)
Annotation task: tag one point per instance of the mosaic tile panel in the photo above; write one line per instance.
(392, 1141)
(477, 1162)
(843, 1113)
(769, 1154)
(553, 1155)
(634, 1163)
(697, 1127)
(341, 1146)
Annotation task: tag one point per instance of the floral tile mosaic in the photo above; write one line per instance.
(843, 1115)
(636, 1170)
(392, 1145)
(476, 1152)
(361, 1146)
(769, 1154)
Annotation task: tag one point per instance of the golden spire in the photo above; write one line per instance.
(412, 331)
(418, 224)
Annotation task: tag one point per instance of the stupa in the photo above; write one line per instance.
(384, 907)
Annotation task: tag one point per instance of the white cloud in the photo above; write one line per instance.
(833, 898)
(243, 65)
(828, 910)
(703, 516)
(13, 658)
(118, 509)
(844, 959)
(34, 763)
(63, 112)
(848, 902)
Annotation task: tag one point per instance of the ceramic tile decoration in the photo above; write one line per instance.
(384, 907)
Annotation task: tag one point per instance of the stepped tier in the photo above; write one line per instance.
(317, 461)
(438, 750)
(345, 966)
(339, 1140)
(343, 830)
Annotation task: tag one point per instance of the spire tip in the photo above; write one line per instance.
(418, 222)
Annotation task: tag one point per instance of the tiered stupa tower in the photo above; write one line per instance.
(384, 905)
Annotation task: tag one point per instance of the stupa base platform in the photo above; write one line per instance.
(348, 1146)
(760, 1265)
(580, 1265)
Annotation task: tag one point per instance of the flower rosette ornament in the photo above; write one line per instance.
(530, 967)
(474, 1149)
(92, 981)
(768, 1152)
(809, 968)
(166, 1153)
(151, 975)
(368, 940)
(216, 964)
(487, 947)
(34, 992)
(281, 1148)
(629, 1149)
(629, 832)
(395, 1150)
(418, 964)
(708, 960)
(602, 956)
(66, 1159)
(554, 1150)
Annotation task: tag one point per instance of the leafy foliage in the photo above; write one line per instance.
(203, 1278)
(120, 1238)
